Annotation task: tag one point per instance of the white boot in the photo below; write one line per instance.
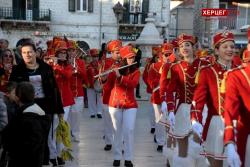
(183, 162)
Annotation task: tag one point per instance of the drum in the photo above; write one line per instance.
(98, 86)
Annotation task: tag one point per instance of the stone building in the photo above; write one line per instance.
(187, 18)
(92, 22)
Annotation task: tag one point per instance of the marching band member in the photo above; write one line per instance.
(123, 106)
(154, 75)
(63, 73)
(210, 91)
(94, 96)
(168, 149)
(149, 62)
(182, 81)
(237, 108)
(78, 78)
(107, 64)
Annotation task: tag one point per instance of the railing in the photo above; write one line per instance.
(134, 18)
(23, 14)
(233, 22)
(238, 18)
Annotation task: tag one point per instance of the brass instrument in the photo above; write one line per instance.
(111, 70)
(80, 51)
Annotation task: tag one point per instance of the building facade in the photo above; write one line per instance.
(92, 22)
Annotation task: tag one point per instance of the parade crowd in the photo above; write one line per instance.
(200, 100)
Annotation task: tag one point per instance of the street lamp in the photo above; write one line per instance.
(118, 10)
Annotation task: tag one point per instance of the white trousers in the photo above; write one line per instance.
(123, 121)
(94, 102)
(160, 130)
(107, 124)
(152, 116)
(75, 117)
(54, 147)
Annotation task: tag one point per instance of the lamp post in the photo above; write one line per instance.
(118, 10)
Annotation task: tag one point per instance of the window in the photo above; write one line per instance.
(81, 5)
(135, 6)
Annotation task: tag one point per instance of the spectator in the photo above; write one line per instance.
(4, 44)
(19, 43)
(10, 100)
(24, 137)
(7, 62)
(41, 76)
(39, 53)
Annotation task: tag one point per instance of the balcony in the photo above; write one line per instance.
(133, 18)
(236, 21)
(35, 18)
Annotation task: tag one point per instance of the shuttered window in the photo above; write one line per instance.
(72, 5)
(81, 5)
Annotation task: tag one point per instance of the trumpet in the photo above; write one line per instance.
(111, 70)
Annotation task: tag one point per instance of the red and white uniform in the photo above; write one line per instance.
(63, 76)
(123, 107)
(237, 107)
(154, 75)
(94, 97)
(145, 75)
(208, 91)
(77, 80)
(122, 93)
(164, 81)
(182, 82)
(92, 70)
(106, 64)
(149, 91)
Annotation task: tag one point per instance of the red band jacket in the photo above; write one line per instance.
(79, 78)
(154, 75)
(122, 90)
(182, 82)
(63, 76)
(237, 107)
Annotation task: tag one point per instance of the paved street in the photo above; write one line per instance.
(89, 152)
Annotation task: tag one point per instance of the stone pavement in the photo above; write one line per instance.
(89, 152)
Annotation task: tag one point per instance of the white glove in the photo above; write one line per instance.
(171, 119)
(164, 107)
(233, 158)
(197, 128)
